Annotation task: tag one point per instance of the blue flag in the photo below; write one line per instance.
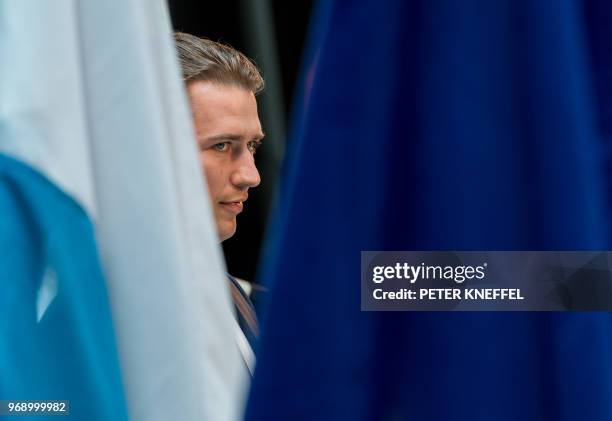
(438, 125)
(58, 342)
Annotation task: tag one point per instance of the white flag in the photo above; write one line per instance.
(91, 97)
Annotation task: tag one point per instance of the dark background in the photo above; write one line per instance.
(272, 33)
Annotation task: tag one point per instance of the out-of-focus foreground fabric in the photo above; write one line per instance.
(112, 292)
(439, 125)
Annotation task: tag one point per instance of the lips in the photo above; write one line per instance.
(232, 207)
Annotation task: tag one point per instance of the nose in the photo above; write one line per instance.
(245, 174)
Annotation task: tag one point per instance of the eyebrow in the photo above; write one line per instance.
(232, 137)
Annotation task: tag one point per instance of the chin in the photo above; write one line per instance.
(226, 232)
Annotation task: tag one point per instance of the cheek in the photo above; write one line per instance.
(214, 175)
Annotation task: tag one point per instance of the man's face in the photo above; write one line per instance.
(228, 132)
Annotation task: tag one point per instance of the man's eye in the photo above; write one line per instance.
(253, 145)
(221, 147)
